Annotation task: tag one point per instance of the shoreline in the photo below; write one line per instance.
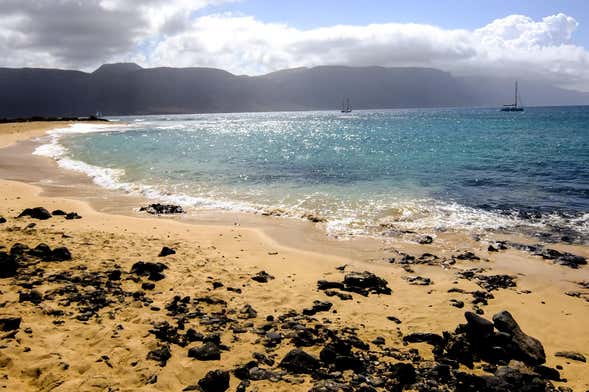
(231, 253)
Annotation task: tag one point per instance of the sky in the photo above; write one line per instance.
(530, 39)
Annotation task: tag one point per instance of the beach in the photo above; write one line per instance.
(97, 321)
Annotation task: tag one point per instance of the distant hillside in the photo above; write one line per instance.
(116, 89)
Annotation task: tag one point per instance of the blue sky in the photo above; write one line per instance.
(451, 14)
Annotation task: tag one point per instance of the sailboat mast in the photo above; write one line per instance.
(516, 93)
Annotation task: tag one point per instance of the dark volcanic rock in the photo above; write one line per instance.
(467, 256)
(215, 381)
(364, 283)
(425, 240)
(571, 355)
(330, 386)
(36, 213)
(418, 280)
(477, 326)
(562, 258)
(60, 254)
(207, 352)
(166, 252)
(58, 213)
(403, 373)
(162, 209)
(530, 349)
(318, 306)
(18, 249)
(505, 379)
(9, 323)
(262, 277)
(42, 251)
(298, 361)
(424, 337)
(248, 312)
(8, 265)
(72, 215)
(2, 220)
(160, 355)
(495, 282)
(30, 296)
(153, 271)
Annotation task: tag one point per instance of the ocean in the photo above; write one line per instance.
(373, 173)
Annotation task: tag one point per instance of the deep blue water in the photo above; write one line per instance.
(434, 169)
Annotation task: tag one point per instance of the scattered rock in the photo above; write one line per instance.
(166, 252)
(562, 258)
(424, 337)
(467, 256)
(314, 218)
(153, 271)
(248, 312)
(363, 283)
(262, 277)
(207, 352)
(298, 361)
(457, 303)
(425, 240)
(60, 254)
(9, 323)
(30, 296)
(418, 280)
(530, 349)
(215, 381)
(2, 220)
(36, 213)
(72, 215)
(58, 213)
(571, 355)
(161, 355)
(162, 209)
(318, 306)
(8, 265)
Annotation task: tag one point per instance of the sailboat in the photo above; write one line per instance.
(514, 106)
(346, 107)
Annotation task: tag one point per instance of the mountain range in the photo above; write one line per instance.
(128, 89)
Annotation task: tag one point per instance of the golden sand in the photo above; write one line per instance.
(109, 352)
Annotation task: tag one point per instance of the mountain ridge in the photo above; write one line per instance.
(127, 88)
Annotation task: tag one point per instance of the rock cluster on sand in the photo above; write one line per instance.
(162, 209)
(363, 283)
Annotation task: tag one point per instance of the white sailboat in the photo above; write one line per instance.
(346, 106)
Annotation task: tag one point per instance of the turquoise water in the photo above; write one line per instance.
(369, 172)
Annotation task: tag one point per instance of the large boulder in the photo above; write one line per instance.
(529, 349)
(478, 327)
(8, 265)
(215, 381)
(298, 361)
(36, 213)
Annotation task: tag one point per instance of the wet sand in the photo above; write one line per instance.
(109, 350)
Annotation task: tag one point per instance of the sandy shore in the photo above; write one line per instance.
(88, 326)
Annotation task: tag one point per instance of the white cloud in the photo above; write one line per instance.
(514, 46)
(85, 33)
